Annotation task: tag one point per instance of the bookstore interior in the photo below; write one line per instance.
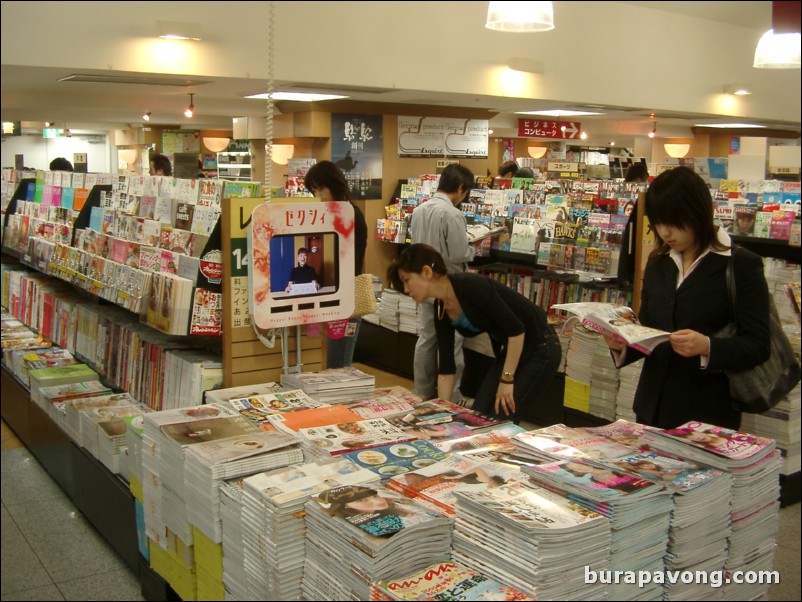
(162, 366)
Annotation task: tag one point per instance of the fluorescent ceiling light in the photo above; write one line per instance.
(520, 17)
(728, 125)
(557, 113)
(175, 30)
(299, 96)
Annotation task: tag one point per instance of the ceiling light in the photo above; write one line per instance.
(677, 150)
(190, 110)
(146, 116)
(128, 155)
(526, 65)
(738, 89)
(536, 152)
(653, 133)
(216, 145)
(612, 142)
(49, 124)
(175, 30)
(728, 125)
(281, 153)
(778, 51)
(521, 17)
(583, 135)
(557, 113)
(298, 96)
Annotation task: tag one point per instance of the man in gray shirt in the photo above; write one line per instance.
(439, 223)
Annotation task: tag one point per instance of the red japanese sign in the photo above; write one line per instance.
(548, 128)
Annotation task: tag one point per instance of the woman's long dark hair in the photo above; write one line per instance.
(679, 197)
(326, 173)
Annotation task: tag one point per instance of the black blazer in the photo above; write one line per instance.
(673, 389)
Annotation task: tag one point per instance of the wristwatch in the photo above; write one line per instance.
(507, 378)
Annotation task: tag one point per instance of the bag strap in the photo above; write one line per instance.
(731, 291)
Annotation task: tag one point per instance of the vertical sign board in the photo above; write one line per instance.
(302, 298)
(236, 301)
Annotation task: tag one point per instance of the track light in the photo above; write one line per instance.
(146, 116)
(49, 124)
(191, 108)
(653, 133)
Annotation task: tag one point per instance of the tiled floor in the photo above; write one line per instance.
(50, 552)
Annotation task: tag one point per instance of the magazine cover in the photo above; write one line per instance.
(397, 458)
(718, 440)
(447, 581)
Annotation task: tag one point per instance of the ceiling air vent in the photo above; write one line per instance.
(132, 79)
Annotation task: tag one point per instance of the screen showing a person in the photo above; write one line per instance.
(304, 265)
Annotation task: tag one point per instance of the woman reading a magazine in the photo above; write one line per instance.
(526, 347)
(685, 293)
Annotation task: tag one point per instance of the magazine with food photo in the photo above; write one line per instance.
(618, 322)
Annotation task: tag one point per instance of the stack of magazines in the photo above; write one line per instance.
(207, 464)
(335, 385)
(235, 580)
(603, 382)
(445, 581)
(103, 431)
(382, 534)
(628, 378)
(159, 479)
(547, 545)
(639, 511)
(274, 528)
(754, 464)
(700, 519)
(388, 309)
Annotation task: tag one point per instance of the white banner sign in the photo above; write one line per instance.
(442, 137)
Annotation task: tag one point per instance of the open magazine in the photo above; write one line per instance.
(480, 231)
(618, 322)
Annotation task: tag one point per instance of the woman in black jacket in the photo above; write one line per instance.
(685, 293)
(526, 347)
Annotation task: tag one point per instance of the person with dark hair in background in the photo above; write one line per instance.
(327, 182)
(160, 165)
(60, 164)
(438, 222)
(685, 293)
(525, 172)
(637, 173)
(303, 273)
(526, 347)
(506, 171)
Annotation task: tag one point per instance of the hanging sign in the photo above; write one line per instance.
(536, 128)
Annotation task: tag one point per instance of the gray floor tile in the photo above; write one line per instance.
(115, 585)
(48, 592)
(42, 516)
(24, 479)
(788, 533)
(787, 563)
(21, 569)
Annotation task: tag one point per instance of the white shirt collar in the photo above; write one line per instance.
(721, 236)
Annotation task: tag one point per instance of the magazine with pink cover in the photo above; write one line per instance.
(727, 443)
(443, 581)
(499, 439)
(621, 431)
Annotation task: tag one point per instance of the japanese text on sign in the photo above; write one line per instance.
(535, 128)
(304, 217)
